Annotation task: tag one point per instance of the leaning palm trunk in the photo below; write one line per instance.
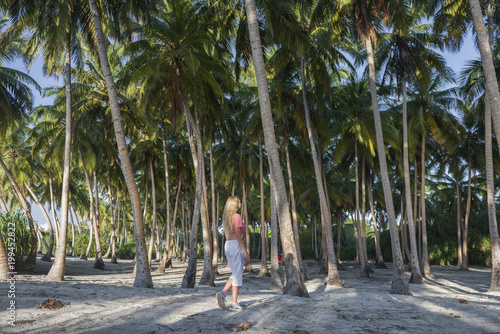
(459, 224)
(425, 267)
(142, 274)
(248, 266)
(113, 223)
(32, 256)
(3, 206)
(264, 270)
(363, 213)
(167, 197)
(488, 66)
(380, 259)
(48, 254)
(333, 274)
(53, 209)
(294, 214)
(276, 283)
(416, 276)
(465, 226)
(56, 272)
(98, 262)
(294, 283)
(165, 258)
(399, 283)
(490, 185)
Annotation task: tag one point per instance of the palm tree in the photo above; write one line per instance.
(143, 274)
(363, 11)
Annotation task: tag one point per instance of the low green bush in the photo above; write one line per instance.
(16, 233)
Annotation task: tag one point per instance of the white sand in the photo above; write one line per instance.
(105, 302)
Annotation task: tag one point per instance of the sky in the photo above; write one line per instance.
(455, 60)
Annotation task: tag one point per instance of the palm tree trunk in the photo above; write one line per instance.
(5, 268)
(488, 66)
(53, 209)
(248, 267)
(163, 264)
(492, 219)
(294, 284)
(264, 270)
(459, 224)
(399, 284)
(415, 211)
(276, 283)
(363, 213)
(154, 221)
(142, 274)
(380, 259)
(294, 213)
(465, 226)
(333, 275)
(113, 223)
(48, 254)
(215, 222)
(98, 263)
(416, 276)
(357, 230)
(426, 269)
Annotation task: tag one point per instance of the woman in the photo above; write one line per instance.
(236, 253)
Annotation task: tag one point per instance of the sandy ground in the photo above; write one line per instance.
(105, 302)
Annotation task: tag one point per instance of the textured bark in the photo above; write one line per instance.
(416, 276)
(53, 209)
(4, 262)
(399, 284)
(294, 284)
(276, 283)
(142, 274)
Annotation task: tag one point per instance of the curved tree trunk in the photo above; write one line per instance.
(294, 284)
(170, 222)
(248, 267)
(98, 263)
(215, 221)
(333, 274)
(164, 260)
(363, 213)
(154, 221)
(399, 284)
(3, 206)
(380, 259)
(142, 274)
(113, 223)
(459, 224)
(416, 276)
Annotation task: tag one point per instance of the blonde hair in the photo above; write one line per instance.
(229, 210)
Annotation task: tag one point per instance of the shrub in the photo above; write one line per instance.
(21, 233)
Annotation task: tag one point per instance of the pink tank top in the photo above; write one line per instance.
(238, 223)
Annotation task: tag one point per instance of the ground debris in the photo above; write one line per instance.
(242, 327)
(462, 301)
(52, 304)
(300, 331)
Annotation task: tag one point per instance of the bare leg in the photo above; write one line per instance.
(236, 290)
(228, 285)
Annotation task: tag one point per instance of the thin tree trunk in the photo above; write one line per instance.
(333, 275)
(98, 263)
(459, 224)
(399, 284)
(490, 185)
(416, 276)
(113, 224)
(53, 209)
(48, 254)
(302, 268)
(363, 213)
(56, 272)
(264, 270)
(163, 264)
(142, 274)
(339, 234)
(170, 222)
(363, 270)
(248, 267)
(415, 211)
(380, 259)
(276, 283)
(426, 269)
(294, 284)
(215, 222)
(3, 206)
(465, 258)
(154, 221)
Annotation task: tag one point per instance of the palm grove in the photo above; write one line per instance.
(338, 123)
